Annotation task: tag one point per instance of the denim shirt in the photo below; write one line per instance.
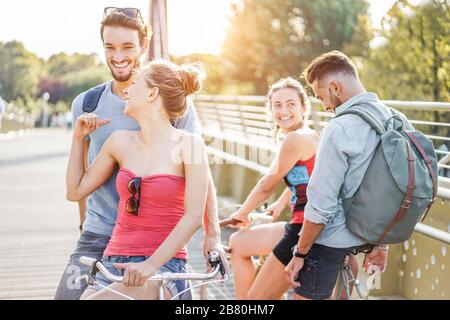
(346, 148)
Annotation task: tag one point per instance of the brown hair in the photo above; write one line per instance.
(175, 84)
(118, 19)
(330, 62)
(288, 83)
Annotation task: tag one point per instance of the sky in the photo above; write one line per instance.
(47, 27)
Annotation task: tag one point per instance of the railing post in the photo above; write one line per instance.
(315, 116)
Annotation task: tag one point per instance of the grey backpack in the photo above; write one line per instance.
(399, 185)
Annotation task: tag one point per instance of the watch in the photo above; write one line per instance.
(297, 254)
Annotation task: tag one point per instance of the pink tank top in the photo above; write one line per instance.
(161, 207)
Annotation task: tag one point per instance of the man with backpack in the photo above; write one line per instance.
(125, 40)
(366, 148)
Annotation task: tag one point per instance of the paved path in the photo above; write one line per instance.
(38, 226)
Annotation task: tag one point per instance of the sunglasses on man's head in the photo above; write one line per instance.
(129, 12)
(132, 204)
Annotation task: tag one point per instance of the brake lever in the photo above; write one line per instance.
(214, 260)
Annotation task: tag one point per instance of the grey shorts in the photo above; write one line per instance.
(174, 265)
(320, 271)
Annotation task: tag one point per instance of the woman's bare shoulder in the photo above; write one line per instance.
(121, 138)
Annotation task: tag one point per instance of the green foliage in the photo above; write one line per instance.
(24, 77)
(84, 79)
(19, 71)
(413, 63)
(29, 104)
(60, 64)
(69, 75)
(269, 39)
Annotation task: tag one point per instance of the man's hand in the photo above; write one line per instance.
(136, 274)
(292, 270)
(213, 243)
(375, 260)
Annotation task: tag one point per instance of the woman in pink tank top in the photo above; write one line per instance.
(162, 184)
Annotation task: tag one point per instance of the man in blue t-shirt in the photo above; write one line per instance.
(125, 40)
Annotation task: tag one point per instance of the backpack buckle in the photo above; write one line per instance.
(405, 204)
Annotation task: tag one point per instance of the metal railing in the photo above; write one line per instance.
(13, 119)
(243, 120)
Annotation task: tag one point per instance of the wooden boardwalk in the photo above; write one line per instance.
(38, 226)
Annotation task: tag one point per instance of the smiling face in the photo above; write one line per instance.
(122, 51)
(138, 94)
(287, 109)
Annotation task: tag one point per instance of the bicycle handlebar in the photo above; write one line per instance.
(214, 260)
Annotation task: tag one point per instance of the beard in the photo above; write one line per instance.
(125, 77)
(335, 101)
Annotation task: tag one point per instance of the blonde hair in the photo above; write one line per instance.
(175, 83)
(288, 83)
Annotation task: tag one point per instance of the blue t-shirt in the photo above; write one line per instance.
(102, 205)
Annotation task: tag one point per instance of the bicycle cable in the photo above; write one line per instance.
(114, 291)
(199, 285)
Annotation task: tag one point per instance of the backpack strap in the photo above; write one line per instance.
(376, 124)
(92, 98)
(408, 196)
(428, 162)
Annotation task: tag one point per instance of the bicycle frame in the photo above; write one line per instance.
(161, 278)
(345, 278)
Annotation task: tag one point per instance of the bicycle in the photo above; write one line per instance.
(213, 259)
(346, 277)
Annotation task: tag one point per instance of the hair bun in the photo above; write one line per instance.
(192, 77)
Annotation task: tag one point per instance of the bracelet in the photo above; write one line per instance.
(80, 227)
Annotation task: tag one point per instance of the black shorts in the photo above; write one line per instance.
(283, 249)
(320, 271)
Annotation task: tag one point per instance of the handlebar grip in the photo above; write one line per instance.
(88, 261)
(226, 222)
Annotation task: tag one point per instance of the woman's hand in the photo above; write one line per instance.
(136, 274)
(275, 210)
(242, 219)
(88, 123)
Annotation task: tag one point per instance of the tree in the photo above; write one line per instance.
(62, 63)
(69, 75)
(269, 39)
(84, 79)
(413, 63)
(19, 71)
